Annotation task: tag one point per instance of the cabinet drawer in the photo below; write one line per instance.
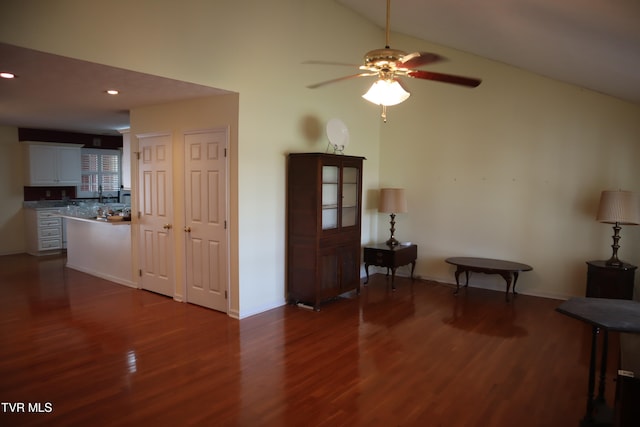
(390, 257)
(49, 218)
(45, 232)
(46, 244)
(48, 213)
(50, 222)
(381, 258)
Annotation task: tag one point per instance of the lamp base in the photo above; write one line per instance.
(392, 242)
(614, 261)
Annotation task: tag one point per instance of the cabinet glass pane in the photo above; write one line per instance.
(329, 197)
(349, 196)
(350, 175)
(330, 174)
(349, 217)
(329, 218)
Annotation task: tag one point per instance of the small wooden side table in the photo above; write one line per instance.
(605, 281)
(391, 257)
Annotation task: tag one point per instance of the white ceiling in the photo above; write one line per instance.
(57, 93)
(590, 43)
(594, 44)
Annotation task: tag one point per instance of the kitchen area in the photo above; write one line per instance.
(49, 215)
(77, 199)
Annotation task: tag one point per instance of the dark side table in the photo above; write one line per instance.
(609, 315)
(391, 257)
(605, 281)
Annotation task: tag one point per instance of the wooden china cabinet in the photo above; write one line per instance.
(324, 207)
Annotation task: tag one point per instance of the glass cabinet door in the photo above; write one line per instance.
(330, 176)
(350, 206)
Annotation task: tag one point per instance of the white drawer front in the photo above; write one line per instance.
(50, 222)
(46, 244)
(45, 232)
(48, 213)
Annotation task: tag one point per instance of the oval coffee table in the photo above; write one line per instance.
(509, 270)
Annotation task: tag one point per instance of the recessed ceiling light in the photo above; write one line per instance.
(7, 75)
(112, 92)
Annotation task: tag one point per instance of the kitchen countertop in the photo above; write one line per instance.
(98, 221)
(78, 211)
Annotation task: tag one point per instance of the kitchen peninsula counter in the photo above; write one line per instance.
(100, 248)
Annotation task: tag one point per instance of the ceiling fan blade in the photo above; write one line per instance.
(418, 59)
(313, 62)
(446, 78)
(339, 79)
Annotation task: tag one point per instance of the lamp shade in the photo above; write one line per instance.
(392, 200)
(620, 207)
(386, 92)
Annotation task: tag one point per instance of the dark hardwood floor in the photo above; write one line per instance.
(94, 353)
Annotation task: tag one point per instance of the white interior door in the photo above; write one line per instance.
(155, 207)
(205, 218)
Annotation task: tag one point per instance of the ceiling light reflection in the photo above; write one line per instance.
(132, 362)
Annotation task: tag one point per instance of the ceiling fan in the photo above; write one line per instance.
(390, 64)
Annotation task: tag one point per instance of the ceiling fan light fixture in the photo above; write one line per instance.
(386, 93)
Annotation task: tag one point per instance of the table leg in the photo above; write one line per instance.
(603, 365)
(588, 418)
(413, 267)
(457, 275)
(393, 278)
(598, 414)
(515, 280)
(507, 278)
(366, 269)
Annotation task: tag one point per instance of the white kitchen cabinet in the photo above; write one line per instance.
(44, 231)
(52, 164)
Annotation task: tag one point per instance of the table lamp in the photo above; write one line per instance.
(392, 201)
(618, 207)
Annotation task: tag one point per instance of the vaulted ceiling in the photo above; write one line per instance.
(594, 44)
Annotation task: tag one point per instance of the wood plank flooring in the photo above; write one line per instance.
(94, 353)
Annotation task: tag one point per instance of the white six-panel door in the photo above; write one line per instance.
(205, 218)
(156, 240)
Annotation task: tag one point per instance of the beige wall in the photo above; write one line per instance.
(512, 169)
(12, 235)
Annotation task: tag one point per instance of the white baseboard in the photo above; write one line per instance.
(256, 310)
(118, 280)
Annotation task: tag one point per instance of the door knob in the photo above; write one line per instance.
(187, 229)
(167, 226)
